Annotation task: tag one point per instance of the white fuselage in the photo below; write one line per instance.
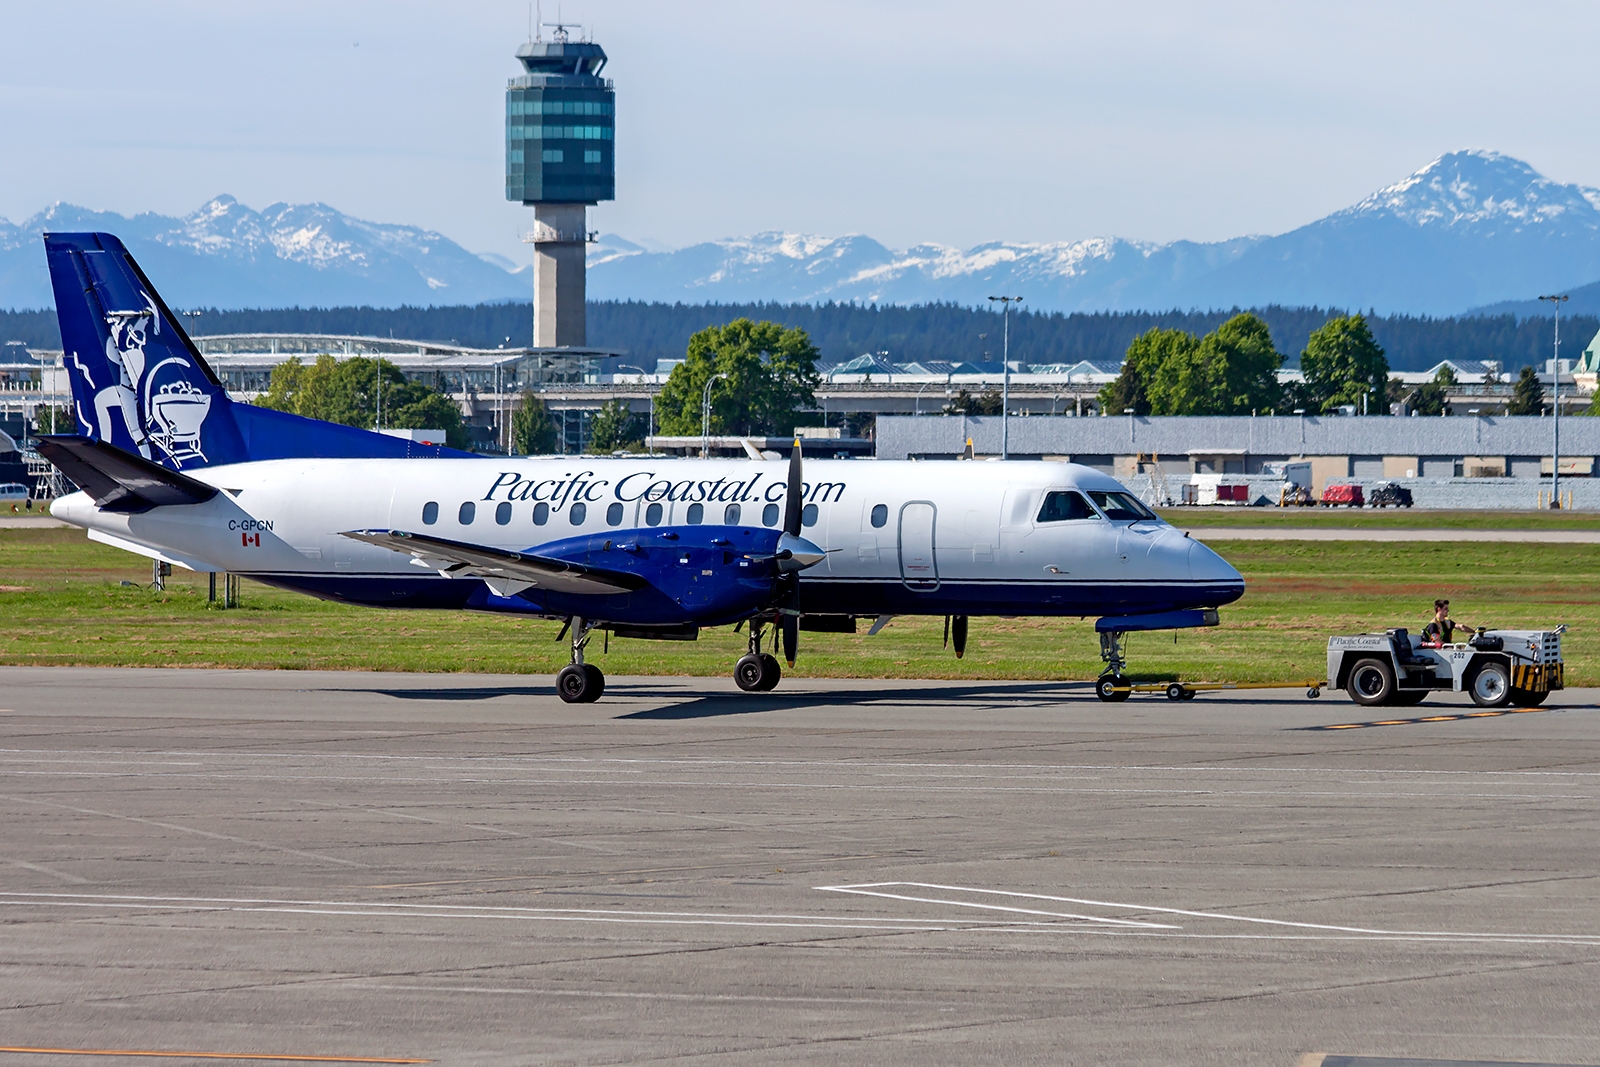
(901, 537)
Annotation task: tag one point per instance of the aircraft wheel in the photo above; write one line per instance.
(580, 683)
(1371, 682)
(749, 673)
(1490, 685)
(1106, 688)
(771, 672)
(1527, 698)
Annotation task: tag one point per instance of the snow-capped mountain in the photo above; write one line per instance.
(226, 255)
(1471, 228)
(1468, 229)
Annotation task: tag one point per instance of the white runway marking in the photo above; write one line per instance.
(879, 889)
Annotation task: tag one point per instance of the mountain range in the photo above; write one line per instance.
(226, 255)
(1470, 230)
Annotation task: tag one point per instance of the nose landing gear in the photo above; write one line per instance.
(579, 682)
(756, 671)
(1111, 686)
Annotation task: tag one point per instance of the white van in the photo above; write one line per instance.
(13, 493)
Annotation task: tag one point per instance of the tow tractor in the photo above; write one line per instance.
(1495, 667)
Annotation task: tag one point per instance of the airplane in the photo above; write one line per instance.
(649, 547)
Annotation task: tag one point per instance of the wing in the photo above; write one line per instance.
(507, 573)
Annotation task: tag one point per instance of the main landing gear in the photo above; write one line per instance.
(579, 682)
(756, 671)
(1111, 685)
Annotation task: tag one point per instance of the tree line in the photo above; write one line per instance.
(651, 331)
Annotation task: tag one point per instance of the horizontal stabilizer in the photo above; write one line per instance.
(1161, 620)
(507, 573)
(118, 480)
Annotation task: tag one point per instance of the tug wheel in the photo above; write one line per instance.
(1176, 691)
(1490, 685)
(1371, 682)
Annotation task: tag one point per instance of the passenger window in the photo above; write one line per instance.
(577, 513)
(730, 515)
(468, 512)
(541, 513)
(697, 514)
(880, 514)
(1061, 507)
(614, 515)
(1121, 506)
(502, 512)
(430, 513)
(769, 515)
(652, 515)
(808, 516)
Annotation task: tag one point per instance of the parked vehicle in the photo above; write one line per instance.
(1390, 495)
(1346, 495)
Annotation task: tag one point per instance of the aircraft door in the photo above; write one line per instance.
(919, 570)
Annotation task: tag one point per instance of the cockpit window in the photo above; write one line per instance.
(1121, 506)
(1063, 506)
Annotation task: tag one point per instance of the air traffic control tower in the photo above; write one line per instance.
(560, 159)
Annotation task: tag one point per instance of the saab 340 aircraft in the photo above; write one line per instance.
(169, 467)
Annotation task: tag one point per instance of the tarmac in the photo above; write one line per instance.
(462, 869)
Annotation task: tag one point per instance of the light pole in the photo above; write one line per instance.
(1005, 372)
(1555, 366)
(705, 416)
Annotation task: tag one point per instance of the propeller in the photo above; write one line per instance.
(795, 554)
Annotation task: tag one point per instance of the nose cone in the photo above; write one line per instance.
(1208, 567)
(795, 553)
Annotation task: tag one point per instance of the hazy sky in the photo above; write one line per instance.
(955, 123)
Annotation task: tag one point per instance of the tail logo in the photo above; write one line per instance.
(159, 405)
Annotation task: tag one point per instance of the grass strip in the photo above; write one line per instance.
(62, 603)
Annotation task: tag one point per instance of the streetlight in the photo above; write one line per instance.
(705, 416)
(1555, 458)
(648, 395)
(1005, 372)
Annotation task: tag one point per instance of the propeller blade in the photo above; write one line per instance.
(958, 631)
(789, 625)
(794, 500)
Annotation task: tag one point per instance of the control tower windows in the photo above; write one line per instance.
(553, 155)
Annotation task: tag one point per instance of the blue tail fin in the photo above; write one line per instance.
(140, 384)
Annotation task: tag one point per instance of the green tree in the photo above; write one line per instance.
(988, 402)
(533, 431)
(360, 392)
(616, 426)
(1147, 352)
(1527, 396)
(1232, 371)
(1344, 365)
(771, 372)
(1429, 399)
